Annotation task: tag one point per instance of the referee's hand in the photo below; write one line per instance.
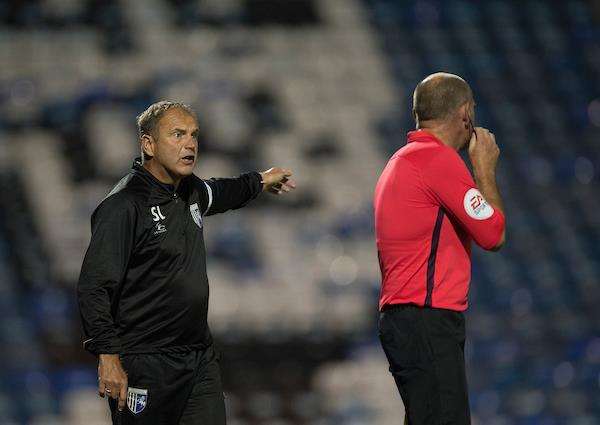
(483, 152)
(277, 180)
(112, 379)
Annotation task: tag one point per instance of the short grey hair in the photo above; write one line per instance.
(148, 120)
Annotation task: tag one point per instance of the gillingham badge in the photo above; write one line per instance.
(137, 399)
(195, 211)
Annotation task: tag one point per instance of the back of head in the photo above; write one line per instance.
(439, 95)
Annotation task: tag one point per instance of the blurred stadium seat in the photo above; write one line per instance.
(322, 87)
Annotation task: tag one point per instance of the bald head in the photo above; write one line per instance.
(439, 95)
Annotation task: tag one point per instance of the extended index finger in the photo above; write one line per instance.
(290, 184)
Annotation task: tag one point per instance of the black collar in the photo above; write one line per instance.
(166, 189)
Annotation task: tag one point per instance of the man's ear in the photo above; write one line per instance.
(147, 142)
(464, 116)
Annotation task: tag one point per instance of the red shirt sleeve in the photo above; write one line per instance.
(450, 183)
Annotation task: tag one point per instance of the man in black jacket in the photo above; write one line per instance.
(143, 288)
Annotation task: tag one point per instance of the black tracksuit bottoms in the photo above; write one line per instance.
(425, 350)
(172, 389)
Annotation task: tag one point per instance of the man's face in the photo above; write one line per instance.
(470, 115)
(175, 145)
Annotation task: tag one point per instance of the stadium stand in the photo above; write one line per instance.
(322, 87)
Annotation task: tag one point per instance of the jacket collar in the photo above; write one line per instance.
(160, 191)
(422, 136)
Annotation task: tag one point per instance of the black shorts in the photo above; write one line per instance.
(425, 350)
(177, 389)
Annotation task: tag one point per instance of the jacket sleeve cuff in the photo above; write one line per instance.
(97, 346)
(256, 181)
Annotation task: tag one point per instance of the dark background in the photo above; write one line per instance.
(323, 87)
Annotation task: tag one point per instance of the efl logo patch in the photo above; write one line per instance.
(476, 206)
(195, 211)
(136, 399)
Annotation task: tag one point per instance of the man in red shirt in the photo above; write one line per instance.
(428, 208)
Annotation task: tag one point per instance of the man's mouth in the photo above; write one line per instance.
(188, 159)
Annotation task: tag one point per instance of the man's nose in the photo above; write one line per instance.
(190, 143)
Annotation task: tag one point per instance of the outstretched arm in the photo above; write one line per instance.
(224, 194)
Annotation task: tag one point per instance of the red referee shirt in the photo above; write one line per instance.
(427, 210)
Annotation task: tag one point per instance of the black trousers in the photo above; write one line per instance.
(172, 389)
(425, 350)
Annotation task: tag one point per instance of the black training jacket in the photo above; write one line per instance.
(143, 286)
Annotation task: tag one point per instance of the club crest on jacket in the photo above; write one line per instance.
(195, 211)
